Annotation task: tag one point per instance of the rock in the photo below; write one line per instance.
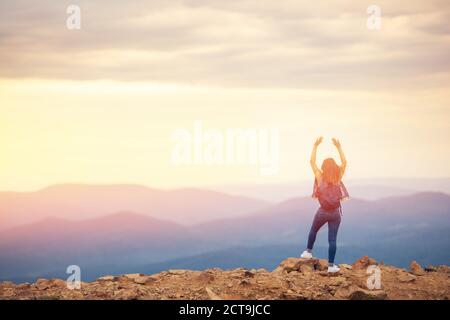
(7, 284)
(236, 273)
(346, 266)
(290, 264)
(356, 293)
(363, 263)
(431, 268)
(278, 270)
(416, 269)
(177, 271)
(212, 295)
(301, 265)
(58, 283)
(245, 283)
(132, 276)
(406, 277)
(144, 280)
(107, 278)
(24, 285)
(445, 269)
(205, 277)
(297, 279)
(49, 297)
(321, 265)
(362, 294)
(291, 295)
(338, 281)
(126, 294)
(42, 284)
(249, 273)
(306, 268)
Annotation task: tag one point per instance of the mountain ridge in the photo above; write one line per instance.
(80, 201)
(396, 231)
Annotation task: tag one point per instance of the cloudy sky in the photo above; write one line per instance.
(99, 104)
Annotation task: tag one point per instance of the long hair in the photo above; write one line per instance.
(331, 171)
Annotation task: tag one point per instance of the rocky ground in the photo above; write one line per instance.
(294, 279)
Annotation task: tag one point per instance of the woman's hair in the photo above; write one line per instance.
(331, 171)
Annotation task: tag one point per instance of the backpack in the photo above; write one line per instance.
(329, 195)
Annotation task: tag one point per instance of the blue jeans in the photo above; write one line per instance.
(334, 219)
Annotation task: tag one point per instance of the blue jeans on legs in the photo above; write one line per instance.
(334, 219)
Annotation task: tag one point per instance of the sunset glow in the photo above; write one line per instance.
(85, 107)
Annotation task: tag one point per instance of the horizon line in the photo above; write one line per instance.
(208, 186)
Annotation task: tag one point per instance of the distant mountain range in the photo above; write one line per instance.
(78, 202)
(394, 229)
(369, 189)
(116, 240)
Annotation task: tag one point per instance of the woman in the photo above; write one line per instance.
(329, 190)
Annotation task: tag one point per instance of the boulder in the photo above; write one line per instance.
(177, 271)
(249, 273)
(58, 283)
(107, 278)
(144, 280)
(305, 268)
(132, 276)
(245, 283)
(291, 295)
(321, 265)
(362, 294)
(363, 262)
(205, 277)
(290, 264)
(211, 294)
(406, 277)
(338, 281)
(24, 285)
(8, 284)
(356, 293)
(416, 269)
(302, 265)
(42, 284)
(126, 294)
(346, 266)
(431, 268)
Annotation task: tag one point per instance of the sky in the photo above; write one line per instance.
(100, 104)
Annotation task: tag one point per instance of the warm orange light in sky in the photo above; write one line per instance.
(99, 104)
(109, 132)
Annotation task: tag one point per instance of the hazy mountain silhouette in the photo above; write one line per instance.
(114, 240)
(290, 220)
(394, 229)
(370, 189)
(71, 201)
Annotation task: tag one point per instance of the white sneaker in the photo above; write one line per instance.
(333, 269)
(306, 255)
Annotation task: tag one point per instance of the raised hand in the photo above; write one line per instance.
(336, 143)
(318, 141)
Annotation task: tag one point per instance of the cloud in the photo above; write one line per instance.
(246, 43)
